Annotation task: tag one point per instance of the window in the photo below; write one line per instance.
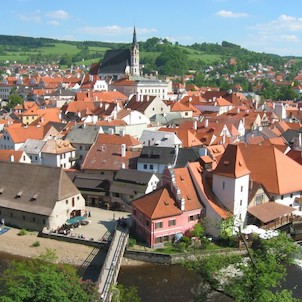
(223, 185)
(291, 195)
(151, 167)
(147, 222)
(134, 212)
(72, 201)
(158, 239)
(66, 201)
(145, 167)
(34, 219)
(172, 222)
(241, 189)
(158, 225)
(191, 218)
(259, 199)
(241, 202)
(282, 197)
(23, 217)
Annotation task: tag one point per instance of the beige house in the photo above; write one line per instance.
(36, 197)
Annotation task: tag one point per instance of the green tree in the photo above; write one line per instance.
(40, 279)
(261, 278)
(120, 293)
(198, 230)
(14, 100)
(172, 61)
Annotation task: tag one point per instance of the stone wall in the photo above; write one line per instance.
(172, 258)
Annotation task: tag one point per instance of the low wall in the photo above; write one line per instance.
(97, 244)
(173, 258)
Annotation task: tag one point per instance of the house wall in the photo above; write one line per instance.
(259, 198)
(151, 167)
(152, 185)
(288, 199)
(25, 158)
(58, 160)
(159, 89)
(135, 117)
(6, 142)
(35, 158)
(233, 193)
(23, 220)
(156, 107)
(155, 237)
(63, 209)
(51, 160)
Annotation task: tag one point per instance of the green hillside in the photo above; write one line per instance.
(155, 53)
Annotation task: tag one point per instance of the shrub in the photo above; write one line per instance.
(132, 242)
(36, 244)
(186, 240)
(22, 232)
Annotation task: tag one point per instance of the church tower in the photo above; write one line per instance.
(134, 68)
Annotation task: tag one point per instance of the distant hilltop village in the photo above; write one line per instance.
(170, 152)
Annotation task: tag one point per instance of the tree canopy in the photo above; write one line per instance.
(40, 279)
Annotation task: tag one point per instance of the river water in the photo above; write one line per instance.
(161, 283)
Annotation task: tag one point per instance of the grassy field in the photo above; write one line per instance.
(54, 51)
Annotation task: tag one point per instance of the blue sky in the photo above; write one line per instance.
(271, 26)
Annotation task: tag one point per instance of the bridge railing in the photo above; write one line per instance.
(118, 243)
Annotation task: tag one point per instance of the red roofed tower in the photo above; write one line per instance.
(231, 182)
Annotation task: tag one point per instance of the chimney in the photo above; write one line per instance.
(12, 158)
(182, 204)
(206, 123)
(195, 125)
(123, 150)
(122, 132)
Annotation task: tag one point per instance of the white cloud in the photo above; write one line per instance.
(54, 23)
(283, 22)
(290, 38)
(114, 30)
(31, 17)
(59, 14)
(230, 14)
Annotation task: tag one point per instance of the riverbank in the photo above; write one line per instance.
(26, 246)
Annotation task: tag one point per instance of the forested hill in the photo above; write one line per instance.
(155, 53)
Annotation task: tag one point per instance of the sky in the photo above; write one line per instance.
(270, 26)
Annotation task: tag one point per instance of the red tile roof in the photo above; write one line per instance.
(232, 163)
(158, 204)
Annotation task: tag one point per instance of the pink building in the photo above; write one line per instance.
(172, 209)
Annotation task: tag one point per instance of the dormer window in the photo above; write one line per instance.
(19, 194)
(35, 196)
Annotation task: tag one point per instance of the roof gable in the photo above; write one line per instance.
(158, 204)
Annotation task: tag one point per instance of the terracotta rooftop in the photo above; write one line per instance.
(272, 168)
(269, 211)
(158, 204)
(232, 163)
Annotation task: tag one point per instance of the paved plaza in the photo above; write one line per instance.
(101, 221)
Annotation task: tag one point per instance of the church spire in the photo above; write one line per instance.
(134, 42)
(134, 68)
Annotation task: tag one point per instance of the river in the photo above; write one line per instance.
(161, 283)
